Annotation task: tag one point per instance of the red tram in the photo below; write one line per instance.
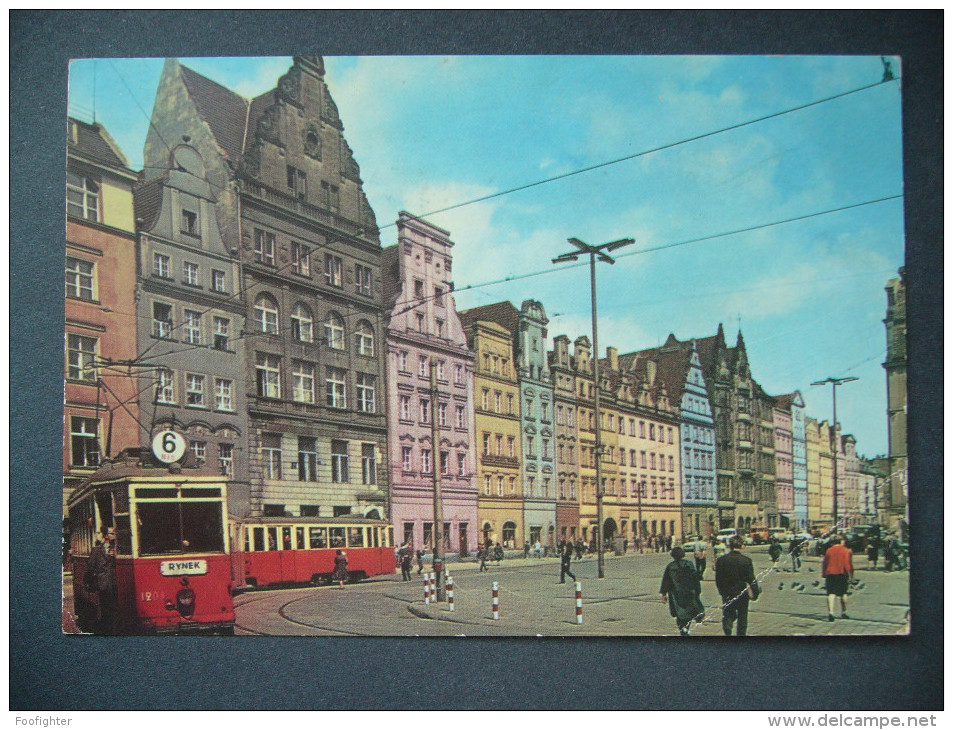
(172, 562)
(285, 550)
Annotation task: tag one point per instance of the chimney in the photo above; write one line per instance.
(612, 354)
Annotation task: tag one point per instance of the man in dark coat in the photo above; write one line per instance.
(734, 578)
(682, 587)
(564, 562)
(101, 579)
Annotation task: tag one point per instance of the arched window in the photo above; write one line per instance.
(266, 314)
(302, 323)
(364, 339)
(509, 534)
(334, 331)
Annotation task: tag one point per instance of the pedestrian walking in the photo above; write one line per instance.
(872, 554)
(420, 561)
(700, 558)
(537, 550)
(794, 550)
(405, 562)
(526, 549)
(737, 586)
(483, 553)
(100, 580)
(682, 588)
(774, 550)
(578, 549)
(498, 554)
(340, 568)
(838, 570)
(564, 564)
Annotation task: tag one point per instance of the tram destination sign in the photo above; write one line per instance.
(183, 567)
(168, 446)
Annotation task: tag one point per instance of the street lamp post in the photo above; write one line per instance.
(436, 464)
(594, 252)
(834, 440)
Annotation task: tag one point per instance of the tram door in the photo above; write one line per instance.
(286, 556)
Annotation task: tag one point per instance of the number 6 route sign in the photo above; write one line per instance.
(168, 446)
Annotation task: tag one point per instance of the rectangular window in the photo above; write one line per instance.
(461, 465)
(442, 414)
(368, 464)
(366, 393)
(461, 417)
(191, 272)
(339, 461)
(298, 182)
(268, 375)
(221, 333)
(422, 367)
(458, 374)
(402, 361)
(307, 459)
(161, 265)
(223, 394)
(165, 386)
(438, 296)
(190, 222)
(194, 390)
(84, 441)
(405, 407)
(362, 279)
(332, 270)
(225, 459)
(424, 410)
(487, 482)
(301, 258)
(302, 381)
(364, 338)
(79, 278)
(198, 450)
(193, 327)
(510, 446)
(271, 455)
(218, 281)
(82, 196)
(425, 461)
(80, 357)
(406, 456)
(161, 320)
(264, 247)
(486, 444)
(334, 384)
(331, 196)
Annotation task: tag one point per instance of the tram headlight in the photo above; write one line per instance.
(185, 602)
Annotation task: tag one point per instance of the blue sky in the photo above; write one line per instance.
(430, 132)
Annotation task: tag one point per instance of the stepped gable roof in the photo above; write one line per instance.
(92, 141)
(147, 200)
(759, 391)
(258, 106)
(390, 277)
(502, 313)
(222, 109)
(672, 361)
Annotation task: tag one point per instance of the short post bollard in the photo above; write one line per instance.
(578, 602)
(496, 601)
(450, 592)
(426, 588)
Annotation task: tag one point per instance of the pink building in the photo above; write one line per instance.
(784, 461)
(423, 326)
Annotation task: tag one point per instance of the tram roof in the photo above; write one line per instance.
(343, 520)
(138, 464)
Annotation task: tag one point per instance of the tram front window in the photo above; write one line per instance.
(180, 527)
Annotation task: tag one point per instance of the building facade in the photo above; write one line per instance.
(784, 462)
(291, 208)
(497, 427)
(894, 496)
(190, 316)
(423, 329)
(563, 372)
(101, 409)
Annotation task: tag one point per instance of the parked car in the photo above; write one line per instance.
(781, 534)
(726, 534)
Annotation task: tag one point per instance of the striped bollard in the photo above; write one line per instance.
(426, 588)
(496, 601)
(450, 592)
(578, 602)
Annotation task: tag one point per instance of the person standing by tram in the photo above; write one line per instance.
(101, 580)
(340, 568)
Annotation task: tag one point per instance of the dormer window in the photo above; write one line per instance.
(190, 222)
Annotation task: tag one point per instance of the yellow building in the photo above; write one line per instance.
(497, 430)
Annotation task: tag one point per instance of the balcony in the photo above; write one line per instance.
(301, 207)
(504, 462)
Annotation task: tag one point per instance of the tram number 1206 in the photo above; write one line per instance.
(147, 596)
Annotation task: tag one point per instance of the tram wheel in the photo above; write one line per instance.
(315, 580)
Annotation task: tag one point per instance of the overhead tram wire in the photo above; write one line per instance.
(660, 148)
